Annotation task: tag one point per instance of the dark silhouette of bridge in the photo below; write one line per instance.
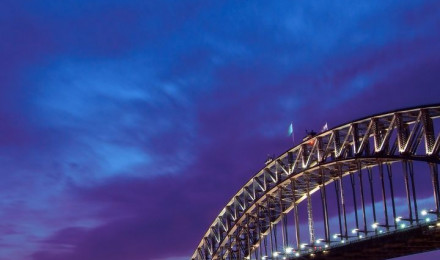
(368, 189)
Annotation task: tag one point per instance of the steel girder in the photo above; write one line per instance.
(296, 174)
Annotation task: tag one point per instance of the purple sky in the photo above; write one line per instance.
(126, 126)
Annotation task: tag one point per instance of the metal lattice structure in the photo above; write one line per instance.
(254, 223)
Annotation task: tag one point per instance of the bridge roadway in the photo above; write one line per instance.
(402, 242)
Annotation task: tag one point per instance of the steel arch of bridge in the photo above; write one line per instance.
(251, 216)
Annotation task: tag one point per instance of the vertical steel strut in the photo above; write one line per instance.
(324, 207)
(352, 180)
(370, 180)
(238, 243)
(295, 212)
(408, 195)
(390, 177)
(230, 248)
(310, 214)
(275, 237)
(260, 247)
(285, 234)
(265, 242)
(364, 216)
(413, 187)
(256, 254)
(384, 198)
(270, 224)
(344, 214)
(339, 207)
(265, 245)
(249, 248)
(283, 221)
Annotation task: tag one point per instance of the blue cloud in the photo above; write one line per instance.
(116, 115)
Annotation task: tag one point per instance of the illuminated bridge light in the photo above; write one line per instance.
(319, 240)
(289, 250)
(424, 212)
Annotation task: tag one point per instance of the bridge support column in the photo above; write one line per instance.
(413, 187)
(274, 229)
(256, 253)
(408, 195)
(310, 214)
(393, 204)
(260, 247)
(269, 213)
(435, 186)
(353, 189)
(238, 243)
(324, 208)
(338, 204)
(344, 214)
(285, 235)
(229, 249)
(248, 240)
(283, 220)
(364, 215)
(384, 197)
(296, 217)
(265, 246)
(370, 181)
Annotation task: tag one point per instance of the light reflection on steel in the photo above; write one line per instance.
(251, 217)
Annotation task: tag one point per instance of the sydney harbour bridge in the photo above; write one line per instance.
(368, 189)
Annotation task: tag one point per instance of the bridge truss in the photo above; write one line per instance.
(343, 185)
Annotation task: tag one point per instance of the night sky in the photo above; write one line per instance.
(126, 126)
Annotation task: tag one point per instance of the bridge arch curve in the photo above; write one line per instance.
(242, 228)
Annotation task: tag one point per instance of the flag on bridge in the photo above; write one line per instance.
(290, 133)
(324, 128)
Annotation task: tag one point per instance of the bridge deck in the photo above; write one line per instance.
(421, 238)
